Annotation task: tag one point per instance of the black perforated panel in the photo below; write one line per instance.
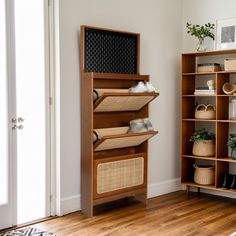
(110, 52)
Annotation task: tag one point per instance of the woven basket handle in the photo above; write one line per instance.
(201, 105)
(210, 105)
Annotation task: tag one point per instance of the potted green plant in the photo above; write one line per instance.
(203, 143)
(232, 144)
(201, 32)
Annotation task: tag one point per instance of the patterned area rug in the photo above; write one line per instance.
(28, 232)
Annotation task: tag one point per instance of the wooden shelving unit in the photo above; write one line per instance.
(221, 124)
(115, 166)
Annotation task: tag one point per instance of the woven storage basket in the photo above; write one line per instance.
(208, 67)
(230, 64)
(204, 175)
(204, 148)
(206, 112)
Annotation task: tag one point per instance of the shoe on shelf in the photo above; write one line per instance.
(233, 183)
(139, 88)
(150, 87)
(227, 181)
(137, 126)
(140, 125)
(148, 124)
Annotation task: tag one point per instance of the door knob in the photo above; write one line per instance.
(20, 120)
(13, 120)
(20, 127)
(14, 127)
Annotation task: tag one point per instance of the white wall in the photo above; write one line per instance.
(160, 25)
(201, 12)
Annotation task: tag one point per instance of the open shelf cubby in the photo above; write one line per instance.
(113, 160)
(222, 125)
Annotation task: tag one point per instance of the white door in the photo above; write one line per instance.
(26, 187)
(7, 110)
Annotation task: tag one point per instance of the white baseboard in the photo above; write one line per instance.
(70, 204)
(168, 186)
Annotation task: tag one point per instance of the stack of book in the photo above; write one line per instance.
(204, 91)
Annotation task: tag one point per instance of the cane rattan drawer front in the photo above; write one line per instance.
(118, 174)
(109, 102)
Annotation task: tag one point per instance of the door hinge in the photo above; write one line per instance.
(50, 101)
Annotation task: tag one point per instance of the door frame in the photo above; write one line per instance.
(49, 118)
(54, 185)
(48, 115)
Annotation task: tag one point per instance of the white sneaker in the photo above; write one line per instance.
(148, 124)
(139, 88)
(137, 126)
(150, 88)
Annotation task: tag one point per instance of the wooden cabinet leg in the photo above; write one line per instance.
(198, 191)
(187, 190)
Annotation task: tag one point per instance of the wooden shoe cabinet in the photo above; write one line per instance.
(221, 126)
(115, 166)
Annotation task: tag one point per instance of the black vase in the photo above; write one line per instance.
(233, 153)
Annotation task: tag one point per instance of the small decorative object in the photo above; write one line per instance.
(208, 67)
(230, 64)
(229, 88)
(206, 112)
(233, 102)
(204, 175)
(201, 32)
(226, 33)
(203, 143)
(204, 91)
(211, 84)
(207, 90)
(232, 144)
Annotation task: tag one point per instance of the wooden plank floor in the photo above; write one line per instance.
(173, 214)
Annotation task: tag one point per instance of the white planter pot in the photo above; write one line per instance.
(204, 148)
